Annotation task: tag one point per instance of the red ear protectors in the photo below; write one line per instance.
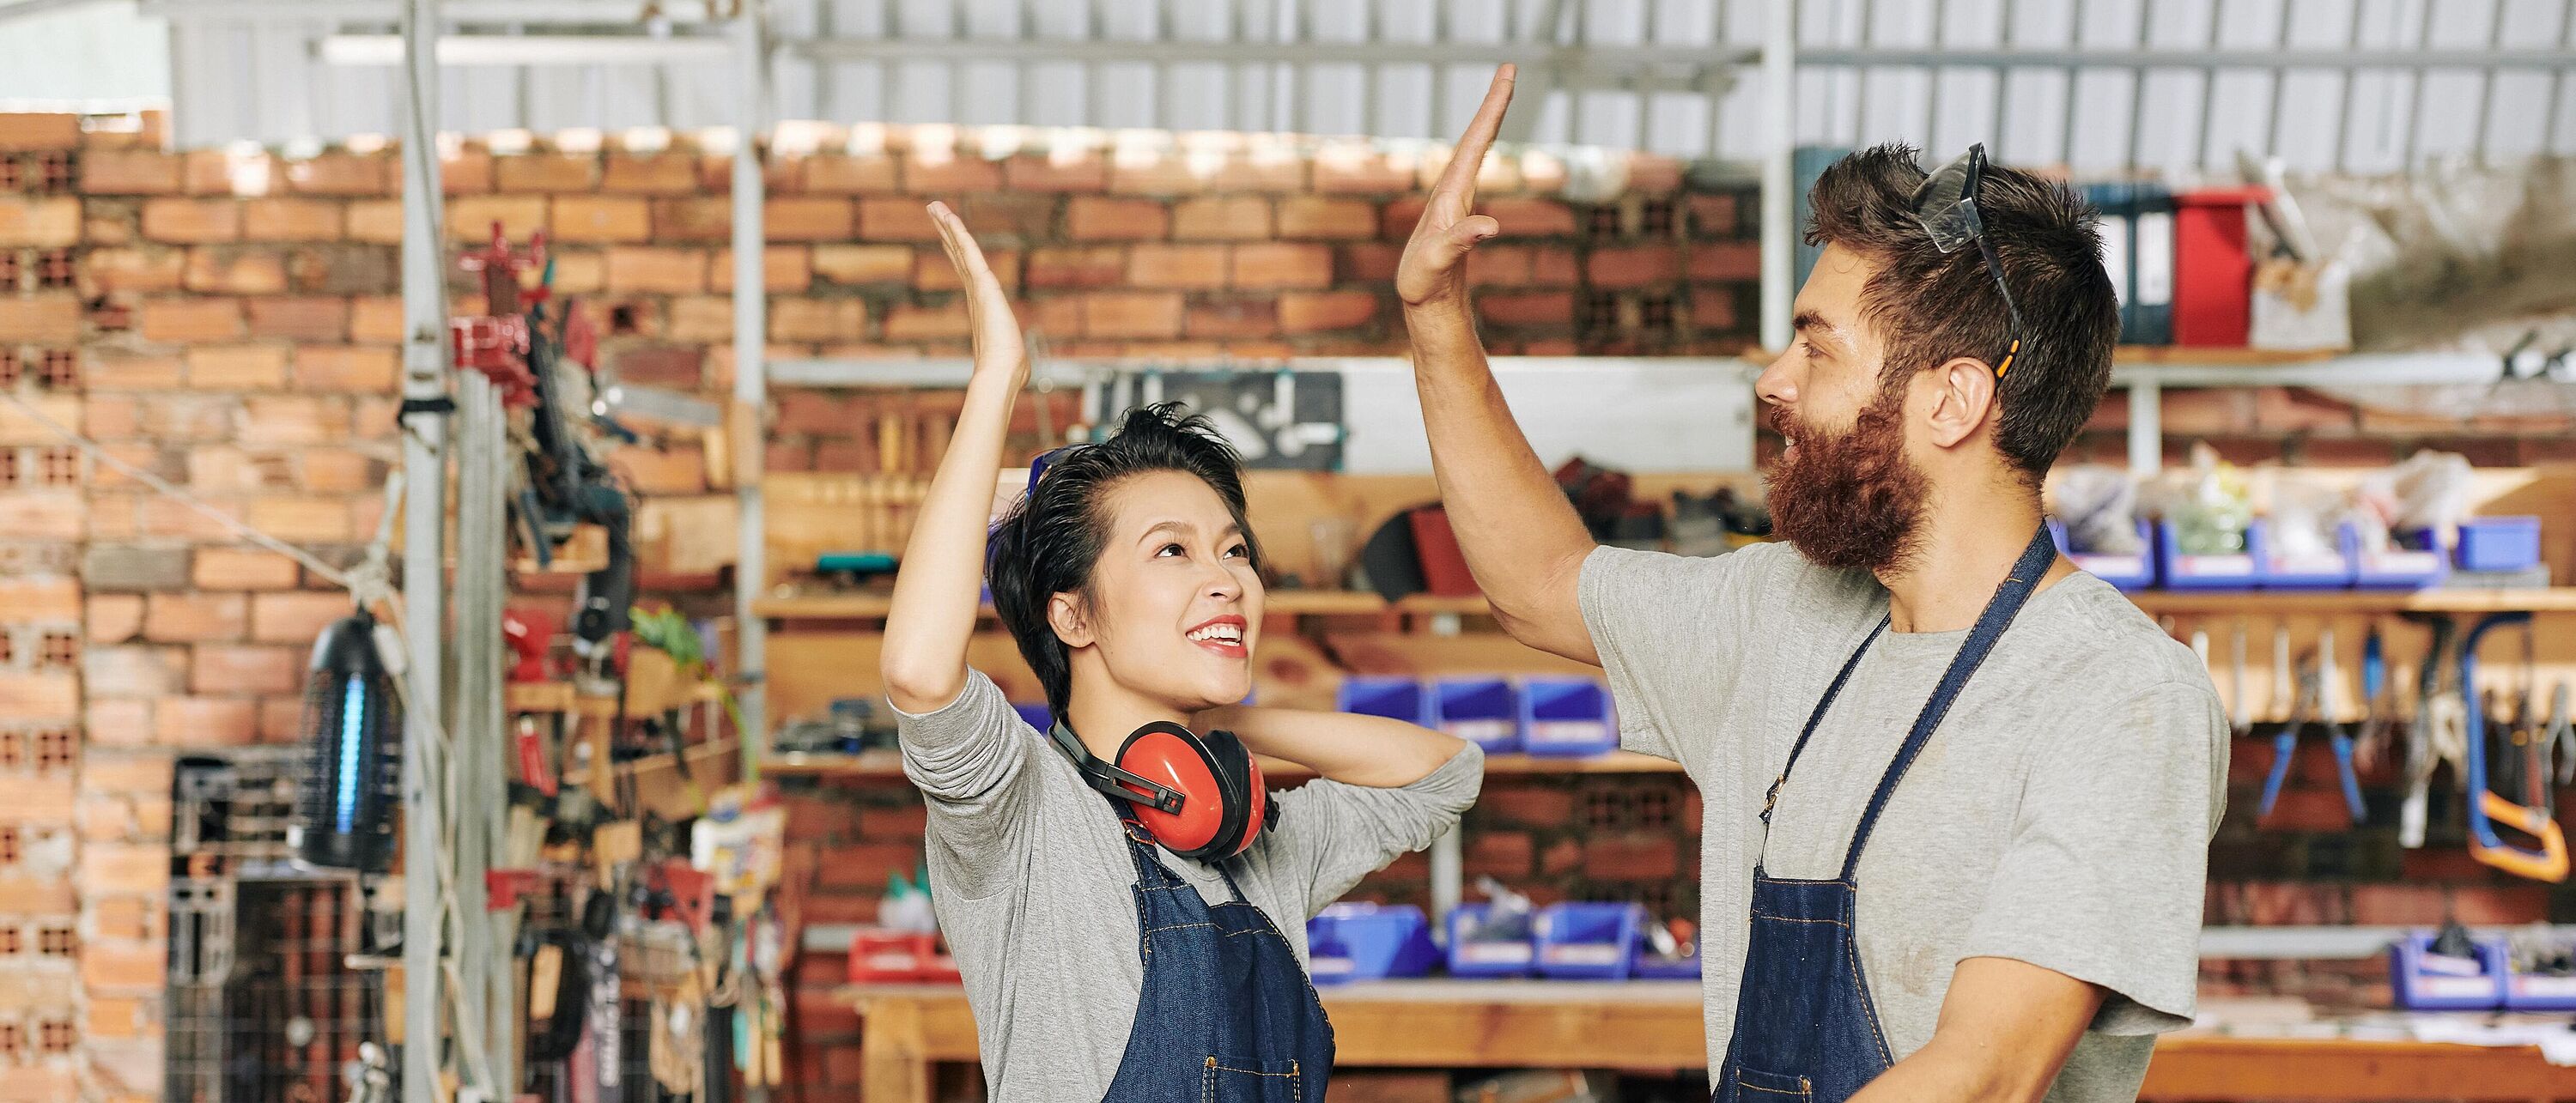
(1200, 795)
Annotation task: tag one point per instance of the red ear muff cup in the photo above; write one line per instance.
(1170, 755)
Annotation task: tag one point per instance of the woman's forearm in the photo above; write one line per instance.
(941, 580)
(1356, 750)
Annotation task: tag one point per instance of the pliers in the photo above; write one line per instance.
(2314, 708)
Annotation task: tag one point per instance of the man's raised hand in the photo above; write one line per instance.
(998, 348)
(1434, 267)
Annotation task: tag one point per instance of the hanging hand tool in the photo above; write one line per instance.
(2439, 733)
(2558, 737)
(2486, 807)
(2315, 707)
(2378, 719)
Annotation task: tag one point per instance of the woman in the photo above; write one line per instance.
(1099, 964)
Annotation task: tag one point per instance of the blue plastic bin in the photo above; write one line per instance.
(2533, 992)
(2413, 561)
(1482, 711)
(2239, 571)
(1037, 716)
(2124, 572)
(2499, 543)
(1567, 717)
(1486, 957)
(1651, 967)
(1588, 941)
(1396, 698)
(2331, 570)
(1347, 942)
(2425, 981)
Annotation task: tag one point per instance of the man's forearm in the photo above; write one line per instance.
(1515, 526)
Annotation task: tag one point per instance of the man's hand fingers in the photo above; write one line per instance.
(1473, 229)
(1469, 156)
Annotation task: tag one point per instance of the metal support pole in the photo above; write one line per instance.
(750, 386)
(425, 363)
(1779, 182)
(2146, 429)
(482, 532)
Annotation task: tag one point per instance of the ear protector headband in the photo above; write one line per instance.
(1200, 795)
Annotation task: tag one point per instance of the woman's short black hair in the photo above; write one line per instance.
(1049, 542)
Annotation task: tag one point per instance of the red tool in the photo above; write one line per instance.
(530, 633)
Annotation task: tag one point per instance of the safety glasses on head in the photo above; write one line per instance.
(1945, 204)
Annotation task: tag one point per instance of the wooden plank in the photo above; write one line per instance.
(2209, 1067)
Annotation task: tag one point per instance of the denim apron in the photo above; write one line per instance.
(1227, 1015)
(1805, 1029)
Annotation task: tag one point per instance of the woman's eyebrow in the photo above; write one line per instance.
(1176, 527)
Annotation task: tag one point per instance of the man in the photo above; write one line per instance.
(1958, 795)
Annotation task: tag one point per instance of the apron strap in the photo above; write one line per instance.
(1150, 871)
(1772, 795)
(2000, 610)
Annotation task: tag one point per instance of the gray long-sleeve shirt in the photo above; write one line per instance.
(1029, 873)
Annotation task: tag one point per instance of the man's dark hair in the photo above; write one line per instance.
(1049, 542)
(1934, 306)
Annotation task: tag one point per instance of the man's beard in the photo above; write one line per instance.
(1850, 501)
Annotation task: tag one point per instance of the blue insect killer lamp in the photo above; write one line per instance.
(353, 764)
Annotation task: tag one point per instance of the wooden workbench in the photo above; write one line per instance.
(1655, 1026)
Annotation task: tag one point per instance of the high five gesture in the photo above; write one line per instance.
(1435, 258)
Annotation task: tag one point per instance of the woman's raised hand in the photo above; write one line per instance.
(999, 351)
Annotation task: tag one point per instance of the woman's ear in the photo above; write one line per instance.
(1065, 615)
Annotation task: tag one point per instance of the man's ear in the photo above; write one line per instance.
(1963, 397)
(1065, 615)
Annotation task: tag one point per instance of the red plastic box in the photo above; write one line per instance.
(2213, 299)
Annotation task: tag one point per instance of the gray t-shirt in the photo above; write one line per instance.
(1030, 875)
(2060, 816)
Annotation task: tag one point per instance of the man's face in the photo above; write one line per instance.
(1845, 492)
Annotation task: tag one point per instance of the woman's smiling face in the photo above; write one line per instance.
(1175, 599)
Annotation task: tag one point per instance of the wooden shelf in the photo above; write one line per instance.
(561, 697)
(2218, 357)
(889, 764)
(2561, 599)
(656, 781)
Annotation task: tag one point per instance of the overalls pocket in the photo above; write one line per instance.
(1756, 1086)
(1230, 1080)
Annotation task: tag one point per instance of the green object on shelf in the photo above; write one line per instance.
(864, 563)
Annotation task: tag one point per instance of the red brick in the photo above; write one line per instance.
(1093, 218)
(40, 1084)
(137, 968)
(1222, 218)
(194, 617)
(294, 220)
(136, 670)
(242, 569)
(1396, 221)
(339, 471)
(125, 918)
(1240, 318)
(1177, 266)
(339, 172)
(105, 271)
(1316, 312)
(602, 218)
(237, 367)
(2499, 905)
(2399, 905)
(192, 221)
(1088, 267)
(281, 720)
(1271, 265)
(699, 219)
(467, 171)
(114, 618)
(36, 896)
(663, 173)
(895, 219)
(297, 419)
(654, 270)
(1504, 854)
(1726, 261)
(294, 617)
(1528, 804)
(546, 172)
(1533, 309)
(470, 217)
(939, 171)
(1068, 171)
(1161, 172)
(245, 668)
(850, 174)
(817, 320)
(42, 696)
(782, 268)
(1131, 314)
(2210, 412)
(1324, 218)
(906, 822)
(35, 799)
(1524, 217)
(39, 599)
(39, 222)
(810, 218)
(2309, 810)
(302, 518)
(867, 865)
(228, 271)
(1715, 308)
(41, 319)
(346, 368)
(376, 319)
(1494, 265)
(139, 775)
(932, 272)
(1371, 262)
(1631, 858)
(1633, 266)
(45, 515)
(1349, 168)
(129, 172)
(319, 320)
(1713, 215)
(855, 264)
(906, 322)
